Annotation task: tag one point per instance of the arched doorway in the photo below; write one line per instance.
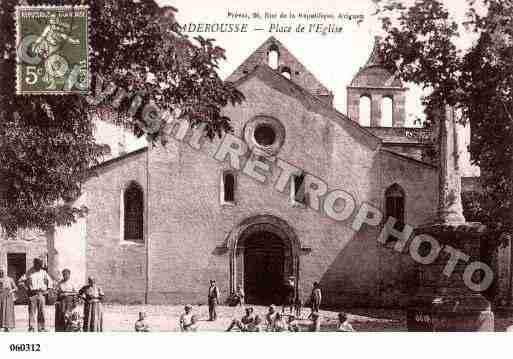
(264, 253)
(266, 261)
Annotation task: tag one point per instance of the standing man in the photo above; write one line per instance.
(289, 295)
(36, 281)
(316, 298)
(213, 300)
(239, 295)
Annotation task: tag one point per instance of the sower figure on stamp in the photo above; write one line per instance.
(50, 41)
(213, 300)
(36, 281)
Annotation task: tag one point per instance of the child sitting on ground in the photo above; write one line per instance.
(72, 321)
(293, 324)
(315, 318)
(343, 323)
(279, 324)
(140, 324)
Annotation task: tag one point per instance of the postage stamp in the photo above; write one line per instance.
(52, 50)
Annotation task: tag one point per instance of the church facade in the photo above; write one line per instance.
(162, 221)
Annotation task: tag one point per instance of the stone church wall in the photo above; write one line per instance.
(118, 265)
(188, 223)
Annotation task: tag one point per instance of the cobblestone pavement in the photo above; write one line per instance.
(165, 318)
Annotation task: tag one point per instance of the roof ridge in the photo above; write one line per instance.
(119, 158)
(255, 59)
(384, 149)
(336, 113)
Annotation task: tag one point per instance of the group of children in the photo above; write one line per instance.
(290, 299)
(274, 321)
(280, 322)
(187, 322)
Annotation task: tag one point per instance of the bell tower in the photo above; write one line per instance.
(376, 83)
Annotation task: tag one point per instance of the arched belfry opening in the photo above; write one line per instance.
(264, 253)
(364, 111)
(273, 56)
(286, 72)
(387, 111)
(386, 92)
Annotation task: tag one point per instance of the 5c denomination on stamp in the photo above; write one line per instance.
(52, 50)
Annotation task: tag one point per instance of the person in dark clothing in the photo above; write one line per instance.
(289, 295)
(213, 300)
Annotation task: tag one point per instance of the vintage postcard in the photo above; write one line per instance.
(258, 167)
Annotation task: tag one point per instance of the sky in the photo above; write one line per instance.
(334, 58)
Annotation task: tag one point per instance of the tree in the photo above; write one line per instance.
(487, 102)
(420, 47)
(47, 143)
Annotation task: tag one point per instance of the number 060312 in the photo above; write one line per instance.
(25, 347)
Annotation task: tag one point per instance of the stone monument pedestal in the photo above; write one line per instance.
(446, 303)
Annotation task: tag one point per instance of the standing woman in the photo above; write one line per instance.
(93, 316)
(7, 289)
(66, 300)
(316, 298)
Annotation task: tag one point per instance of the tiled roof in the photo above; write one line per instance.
(373, 74)
(400, 134)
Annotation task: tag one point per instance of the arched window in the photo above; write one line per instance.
(387, 112)
(297, 189)
(228, 187)
(133, 200)
(285, 71)
(394, 204)
(273, 57)
(365, 111)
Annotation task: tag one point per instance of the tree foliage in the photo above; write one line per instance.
(47, 142)
(487, 102)
(421, 47)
